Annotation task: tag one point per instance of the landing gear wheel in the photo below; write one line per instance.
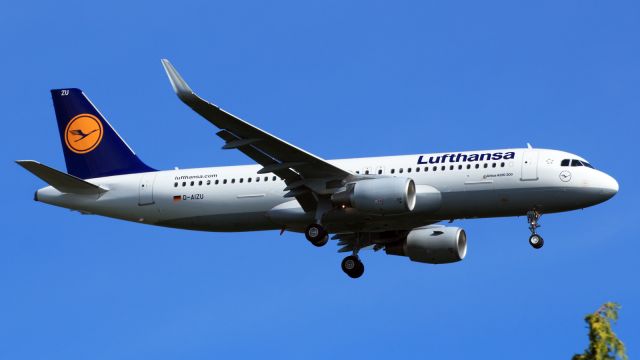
(536, 241)
(352, 266)
(322, 242)
(532, 218)
(316, 234)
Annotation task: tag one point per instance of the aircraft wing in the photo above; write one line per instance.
(306, 175)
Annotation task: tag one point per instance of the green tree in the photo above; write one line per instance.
(603, 342)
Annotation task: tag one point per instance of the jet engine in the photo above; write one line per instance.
(383, 196)
(432, 245)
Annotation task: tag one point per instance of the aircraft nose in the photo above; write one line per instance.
(609, 185)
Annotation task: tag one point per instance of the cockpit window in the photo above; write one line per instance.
(575, 162)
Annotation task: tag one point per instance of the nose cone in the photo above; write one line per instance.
(608, 186)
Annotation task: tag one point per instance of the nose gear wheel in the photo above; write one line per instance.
(535, 240)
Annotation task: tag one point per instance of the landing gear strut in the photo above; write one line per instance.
(316, 234)
(352, 266)
(535, 240)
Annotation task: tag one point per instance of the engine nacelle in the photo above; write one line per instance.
(382, 196)
(432, 245)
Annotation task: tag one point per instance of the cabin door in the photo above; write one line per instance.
(529, 165)
(145, 189)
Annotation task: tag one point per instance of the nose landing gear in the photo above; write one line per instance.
(535, 240)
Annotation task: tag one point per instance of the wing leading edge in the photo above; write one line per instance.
(307, 176)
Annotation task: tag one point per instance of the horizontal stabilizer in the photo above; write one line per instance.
(62, 182)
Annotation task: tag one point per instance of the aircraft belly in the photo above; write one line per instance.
(507, 202)
(245, 221)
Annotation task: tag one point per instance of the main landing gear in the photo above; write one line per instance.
(535, 240)
(352, 266)
(316, 234)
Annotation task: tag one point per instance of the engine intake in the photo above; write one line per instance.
(383, 196)
(432, 245)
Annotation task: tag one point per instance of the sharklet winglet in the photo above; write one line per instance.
(178, 84)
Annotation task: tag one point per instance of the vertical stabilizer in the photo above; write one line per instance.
(92, 148)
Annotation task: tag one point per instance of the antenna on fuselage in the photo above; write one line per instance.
(529, 146)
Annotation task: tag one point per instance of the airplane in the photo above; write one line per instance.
(391, 203)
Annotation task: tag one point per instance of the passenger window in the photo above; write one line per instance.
(435, 168)
(266, 178)
(459, 167)
(576, 163)
(486, 165)
(501, 164)
(241, 179)
(426, 168)
(477, 166)
(175, 184)
(208, 182)
(443, 167)
(233, 181)
(366, 172)
(451, 167)
(192, 183)
(358, 172)
(417, 169)
(379, 171)
(257, 178)
(393, 171)
(217, 182)
(224, 181)
(408, 170)
(468, 166)
(248, 179)
(200, 183)
(493, 165)
(401, 170)
(565, 162)
(274, 178)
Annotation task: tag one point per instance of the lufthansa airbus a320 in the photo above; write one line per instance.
(388, 203)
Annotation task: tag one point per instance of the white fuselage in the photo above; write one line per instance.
(236, 198)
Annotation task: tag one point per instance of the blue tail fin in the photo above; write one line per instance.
(92, 148)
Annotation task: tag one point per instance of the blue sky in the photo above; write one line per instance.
(339, 79)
